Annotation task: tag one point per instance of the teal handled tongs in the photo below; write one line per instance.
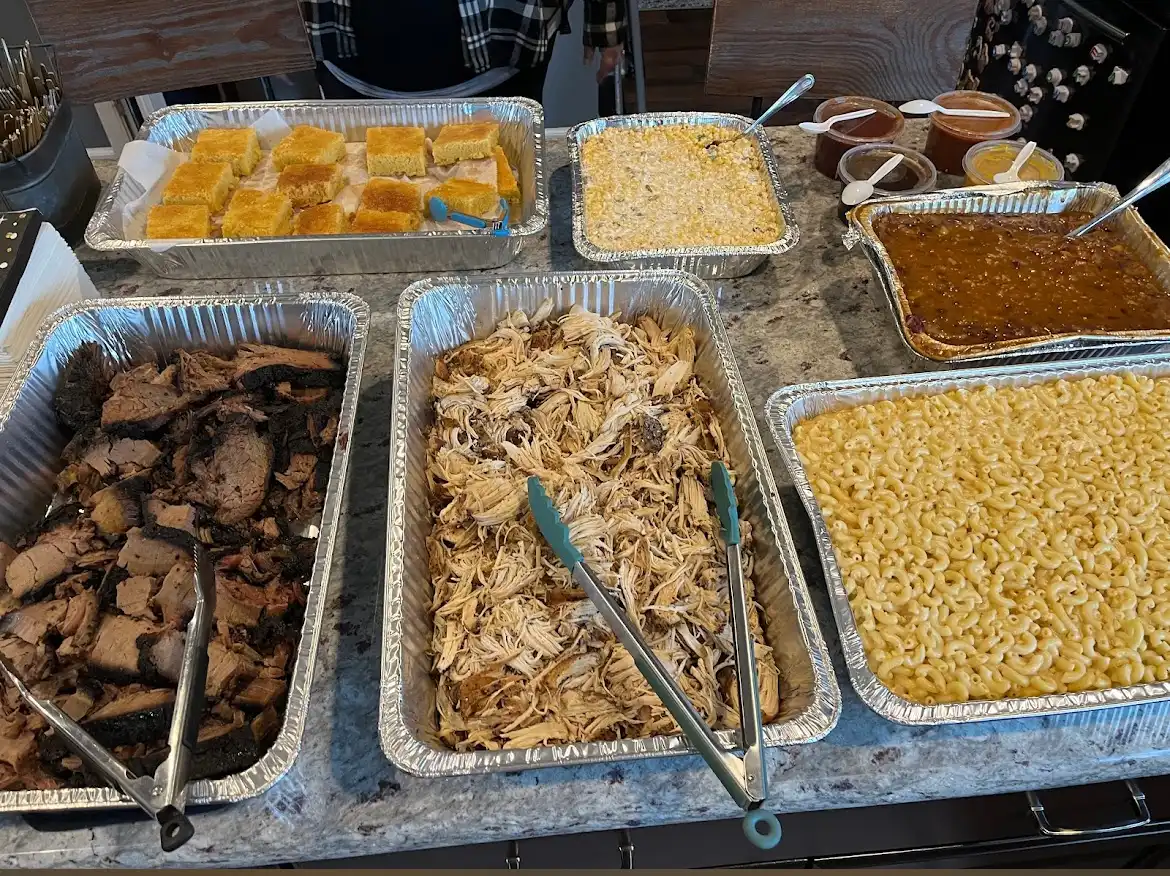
(746, 778)
(440, 212)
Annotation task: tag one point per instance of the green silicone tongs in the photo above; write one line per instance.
(746, 778)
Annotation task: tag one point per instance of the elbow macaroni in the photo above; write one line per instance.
(1000, 543)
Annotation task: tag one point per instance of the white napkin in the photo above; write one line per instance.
(148, 165)
(52, 278)
(270, 129)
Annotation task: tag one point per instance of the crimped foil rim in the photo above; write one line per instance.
(283, 753)
(534, 225)
(869, 687)
(578, 133)
(928, 349)
(816, 722)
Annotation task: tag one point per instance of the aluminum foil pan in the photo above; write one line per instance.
(437, 315)
(521, 135)
(789, 406)
(1026, 197)
(132, 329)
(709, 262)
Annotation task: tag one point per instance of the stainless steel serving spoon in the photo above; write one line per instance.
(1157, 178)
(795, 90)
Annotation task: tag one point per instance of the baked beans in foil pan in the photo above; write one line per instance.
(1009, 198)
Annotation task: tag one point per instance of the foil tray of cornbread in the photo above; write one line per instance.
(330, 187)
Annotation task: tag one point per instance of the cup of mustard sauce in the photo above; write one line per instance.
(984, 160)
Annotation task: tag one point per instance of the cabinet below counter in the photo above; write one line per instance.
(806, 315)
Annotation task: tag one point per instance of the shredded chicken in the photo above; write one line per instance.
(612, 418)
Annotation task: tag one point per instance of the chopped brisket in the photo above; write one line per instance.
(134, 597)
(261, 692)
(33, 622)
(54, 554)
(261, 365)
(234, 451)
(142, 404)
(201, 374)
(181, 517)
(115, 652)
(233, 482)
(30, 662)
(117, 508)
(176, 597)
(300, 470)
(148, 556)
(83, 387)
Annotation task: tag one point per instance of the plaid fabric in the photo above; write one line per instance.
(496, 33)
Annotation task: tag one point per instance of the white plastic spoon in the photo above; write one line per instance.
(822, 127)
(862, 189)
(922, 107)
(1012, 174)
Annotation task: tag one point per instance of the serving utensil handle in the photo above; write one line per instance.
(795, 90)
(1158, 177)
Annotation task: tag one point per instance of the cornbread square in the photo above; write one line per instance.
(468, 196)
(465, 142)
(506, 182)
(391, 196)
(322, 219)
(257, 213)
(238, 146)
(194, 183)
(394, 151)
(384, 222)
(309, 184)
(309, 145)
(173, 221)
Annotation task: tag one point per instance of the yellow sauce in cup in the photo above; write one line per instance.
(984, 160)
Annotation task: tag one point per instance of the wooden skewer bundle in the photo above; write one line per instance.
(29, 97)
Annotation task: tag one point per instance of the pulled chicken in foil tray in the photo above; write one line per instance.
(613, 419)
(96, 597)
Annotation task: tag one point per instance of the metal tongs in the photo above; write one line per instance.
(746, 778)
(162, 796)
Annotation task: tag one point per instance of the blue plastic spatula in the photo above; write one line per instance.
(746, 778)
(441, 213)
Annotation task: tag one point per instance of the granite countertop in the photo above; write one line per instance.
(806, 315)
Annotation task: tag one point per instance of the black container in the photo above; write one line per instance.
(56, 178)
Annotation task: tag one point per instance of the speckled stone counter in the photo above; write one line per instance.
(803, 316)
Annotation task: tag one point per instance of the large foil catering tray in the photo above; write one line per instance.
(1024, 197)
(521, 134)
(708, 262)
(131, 329)
(437, 315)
(789, 406)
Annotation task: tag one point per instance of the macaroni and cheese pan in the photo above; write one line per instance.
(791, 406)
(1011, 198)
(708, 262)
